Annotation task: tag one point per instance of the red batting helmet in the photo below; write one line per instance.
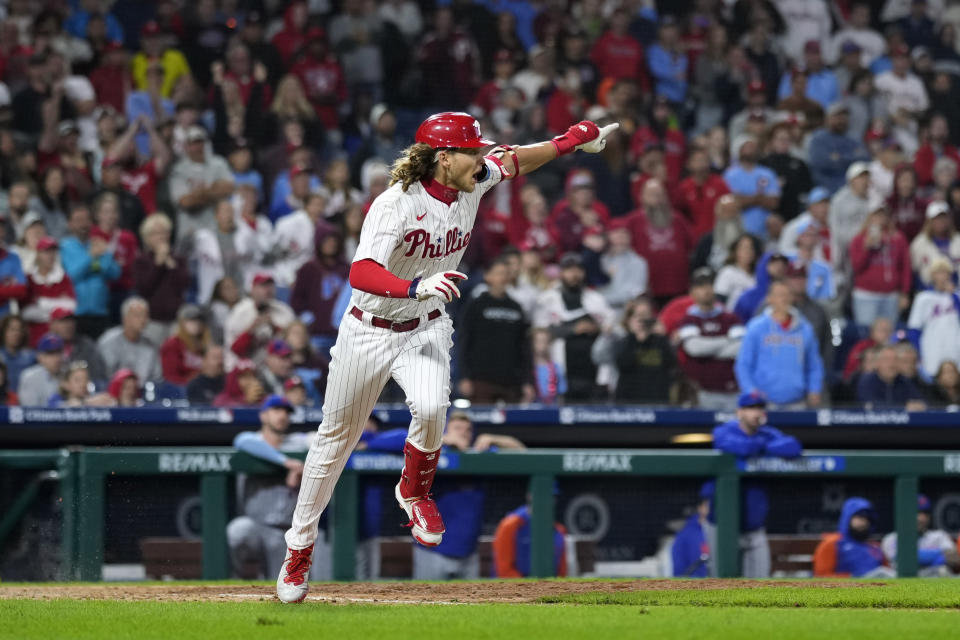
(452, 130)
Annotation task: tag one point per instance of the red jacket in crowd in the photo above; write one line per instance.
(667, 249)
(180, 363)
(324, 85)
(698, 201)
(883, 270)
(44, 294)
(123, 246)
(926, 157)
(142, 182)
(674, 145)
(620, 57)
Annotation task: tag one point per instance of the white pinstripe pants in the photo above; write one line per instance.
(362, 360)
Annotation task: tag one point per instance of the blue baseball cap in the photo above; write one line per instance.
(276, 401)
(50, 343)
(818, 194)
(923, 503)
(752, 399)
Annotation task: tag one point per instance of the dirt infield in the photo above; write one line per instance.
(396, 592)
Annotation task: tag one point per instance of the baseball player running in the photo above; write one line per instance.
(403, 273)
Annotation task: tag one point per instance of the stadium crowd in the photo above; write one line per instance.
(182, 188)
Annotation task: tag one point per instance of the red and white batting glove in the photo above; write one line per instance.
(584, 135)
(439, 285)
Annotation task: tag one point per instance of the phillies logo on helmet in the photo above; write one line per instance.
(452, 130)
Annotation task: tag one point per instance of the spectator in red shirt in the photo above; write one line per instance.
(160, 277)
(880, 333)
(617, 54)
(242, 387)
(566, 103)
(181, 355)
(48, 288)
(532, 230)
(661, 127)
(292, 37)
(111, 79)
(882, 276)
(937, 146)
(905, 204)
(486, 98)
(663, 238)
(449, 59)
(699, 192)
(322, 78)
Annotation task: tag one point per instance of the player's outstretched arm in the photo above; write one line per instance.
(585, 136)
(370, 276)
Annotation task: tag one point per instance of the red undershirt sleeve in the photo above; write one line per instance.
(369, 276)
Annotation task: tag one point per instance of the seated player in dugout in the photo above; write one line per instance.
(403, 273)
(512, 544)
(850, 551)
(936, 553)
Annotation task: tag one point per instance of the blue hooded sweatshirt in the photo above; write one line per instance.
(752, 299)
(690, 551)
(855, 557)
(783, 364)
(767, 441)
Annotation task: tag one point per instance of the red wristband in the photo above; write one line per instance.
(369, 276)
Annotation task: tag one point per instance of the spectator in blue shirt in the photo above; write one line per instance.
(917, 27)
(668, 63)
(746, 437)
(756, 187)
(886, 387)
(91, 267)
(150, 104)
(779, 355)
(76, 24)
(832, 150)
(821, 81)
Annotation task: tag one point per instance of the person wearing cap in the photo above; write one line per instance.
(575, 316)
(755, 186)
(241, 387)
(255, 321)
(936, 552)
(154, 45)
(127, 346)
(797, 277)
(181, 355)
(709, 339)
(808, 111)
(268, 501)
(48, 288)
(124, 388)
(832, 150)
(938, 239)
(627, 271)
(880, 265)
(661, 132)
(849, 208)
(756, 103)
(813, 220)
(934, 321)
(41, 382)
(690, 552)
(197, 181)
(904, 92)
(779, 356)
(821, 81)
(849, 551)
(278, 366)
(295, 391)
(750, 436)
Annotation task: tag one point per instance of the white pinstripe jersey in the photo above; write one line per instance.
(415, 235)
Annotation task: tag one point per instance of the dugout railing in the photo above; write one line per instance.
(82, 475)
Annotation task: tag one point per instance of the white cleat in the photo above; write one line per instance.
(425, 524)
(293, 583)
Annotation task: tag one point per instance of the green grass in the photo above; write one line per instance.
(892, 594)
(901, 610)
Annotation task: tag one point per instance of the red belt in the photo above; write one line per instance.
(399, 327)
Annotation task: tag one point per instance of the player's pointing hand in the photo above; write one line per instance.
(440, 285)
(585, 136)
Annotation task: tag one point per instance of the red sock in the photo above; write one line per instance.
(419, 469)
